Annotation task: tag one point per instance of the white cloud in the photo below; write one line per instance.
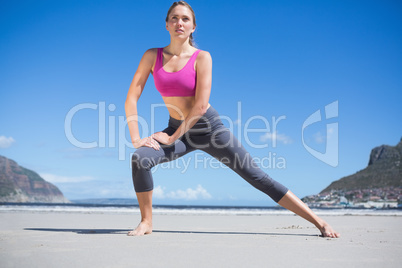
(188, 194)
(275, 137)
(320, 138)
(158, 192)
(6, 142)
(330, 132)
(63, 179)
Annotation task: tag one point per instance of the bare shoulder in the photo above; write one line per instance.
(148, 59)
(150, 54)
(204, 55)
(204, 58)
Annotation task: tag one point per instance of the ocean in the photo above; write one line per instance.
(186, 210)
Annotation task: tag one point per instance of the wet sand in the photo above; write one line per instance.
(54, 239)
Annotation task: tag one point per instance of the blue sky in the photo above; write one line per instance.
(273, 61)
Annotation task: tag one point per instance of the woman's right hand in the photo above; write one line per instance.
(148, 142)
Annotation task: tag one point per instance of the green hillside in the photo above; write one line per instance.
(384, 170)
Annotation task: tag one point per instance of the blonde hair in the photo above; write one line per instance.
(183, 3)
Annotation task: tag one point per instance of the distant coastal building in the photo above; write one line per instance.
(379, 185)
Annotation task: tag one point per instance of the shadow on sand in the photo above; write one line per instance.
(124, 231)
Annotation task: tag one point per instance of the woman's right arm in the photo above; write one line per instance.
(134, 93)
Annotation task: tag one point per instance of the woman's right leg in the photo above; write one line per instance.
(143, 160)
(145, 204)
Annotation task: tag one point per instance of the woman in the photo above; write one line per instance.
(183, 76)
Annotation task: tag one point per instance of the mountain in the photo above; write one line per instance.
(384, 170)
(20, 185)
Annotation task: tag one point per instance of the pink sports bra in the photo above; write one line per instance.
(175, 84)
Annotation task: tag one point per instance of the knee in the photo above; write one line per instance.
(139, 160)
(142, 177)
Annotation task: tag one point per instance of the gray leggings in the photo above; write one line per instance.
(212, 137)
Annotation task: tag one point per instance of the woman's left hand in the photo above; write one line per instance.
(163, 138)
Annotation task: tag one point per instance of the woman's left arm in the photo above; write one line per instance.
(202, 93)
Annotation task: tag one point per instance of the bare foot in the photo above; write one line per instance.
(327, 231)
(142, 229)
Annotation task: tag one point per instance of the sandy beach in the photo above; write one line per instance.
(54, 239)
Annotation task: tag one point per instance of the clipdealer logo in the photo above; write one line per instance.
(331, 154)
(116, 130)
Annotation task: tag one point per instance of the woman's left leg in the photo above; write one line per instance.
(225, 147)
(294, 204)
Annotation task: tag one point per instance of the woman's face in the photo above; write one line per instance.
(180, 22)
